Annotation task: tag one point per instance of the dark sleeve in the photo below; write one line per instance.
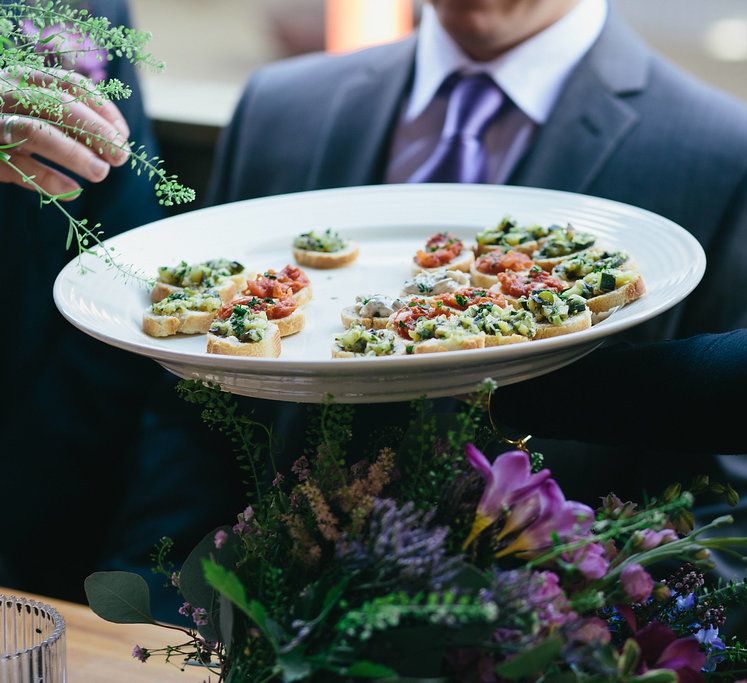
(125, 199)
(679, 395)
(230, 179)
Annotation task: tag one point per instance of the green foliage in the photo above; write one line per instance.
(38, 84)
(119, 597)
(532, 662)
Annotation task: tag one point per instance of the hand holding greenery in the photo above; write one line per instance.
(425, 560)
(56, 102)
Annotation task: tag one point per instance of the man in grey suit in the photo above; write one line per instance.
(618, 121)
(554, 93)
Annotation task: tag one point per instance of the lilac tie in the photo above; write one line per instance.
(460, 156)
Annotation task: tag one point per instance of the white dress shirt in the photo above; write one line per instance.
(531, 75)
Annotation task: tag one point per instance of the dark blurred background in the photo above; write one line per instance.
(211, 48)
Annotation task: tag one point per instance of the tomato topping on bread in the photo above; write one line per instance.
(495, 262)
(274, 308)
(522, 284)
(407, 317)
(441, 249)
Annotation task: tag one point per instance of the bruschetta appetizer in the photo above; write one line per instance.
(185, 311)
(371, 311)
(224, 276)
(508, 234)
(576, 267)
(560, 244)
(406, 317)
(502, 325)
(465, 297)
(555, 315)
(358, 341)
(435, 282)
(285, 313)
(276, 285)
(324, 250)
(445, 333)
(516, 285)
(443, 250)
(485, 269)
(244, 333)
(607, 289)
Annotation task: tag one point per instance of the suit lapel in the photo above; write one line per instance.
(591, 118)
(352, 146)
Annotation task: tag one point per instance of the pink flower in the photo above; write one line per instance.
(653, 539)
(532, 506)
(549, 588)
(220, 539)
(660, 649)
(592, 630)
(199, 616)
(590, 560)
(637, 582)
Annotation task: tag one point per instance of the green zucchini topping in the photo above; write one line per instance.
(185, 300)
(508, 233)
(358, 339)
(576, 267)
(205, 274)
(546, 306)
(328, 241)
(565, 241)
(501, 322)
(444, 327)
(243, 324)
(600, 282)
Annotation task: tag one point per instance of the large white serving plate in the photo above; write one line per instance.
(390, 222)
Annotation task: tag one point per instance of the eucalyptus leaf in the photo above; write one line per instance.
(119, 597)
(225, 623)
(293, 667)
(193, 586)
(530, 662)
(364, 669)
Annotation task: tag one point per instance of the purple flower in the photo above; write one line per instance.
(220, 539)
(243, 517)
(685, 602)
(660, 649)
(636, 582)
(140, 653)
(69, 50)
(279, 478)
(508, 478)
(590, 560)
(532, 506)
(650, 539)
(185, 610)
(199, 616)
(710, 639)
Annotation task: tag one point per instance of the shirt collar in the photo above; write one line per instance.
(532, 74)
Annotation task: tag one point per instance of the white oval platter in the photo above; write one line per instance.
(389, 222)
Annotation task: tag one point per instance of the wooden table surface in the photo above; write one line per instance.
(100, 652)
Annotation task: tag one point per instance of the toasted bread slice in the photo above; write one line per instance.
(450, 344)
(325, 260)
(291, 324)
(227, 289)
(191, 322)
(268, 347)
(482, 279)
(500, 340)
(303, 296)
(461, 262)
(575, 323)
(618, 297)
(350, 317)
(337, 352)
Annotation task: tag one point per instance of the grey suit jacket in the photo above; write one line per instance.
(629, 126)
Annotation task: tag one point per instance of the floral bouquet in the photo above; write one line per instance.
(431, 562)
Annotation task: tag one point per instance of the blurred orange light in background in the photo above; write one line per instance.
(353, 24)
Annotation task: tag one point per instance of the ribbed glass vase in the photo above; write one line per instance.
(32, 642)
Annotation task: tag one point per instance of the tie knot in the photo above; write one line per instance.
(474, 102)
